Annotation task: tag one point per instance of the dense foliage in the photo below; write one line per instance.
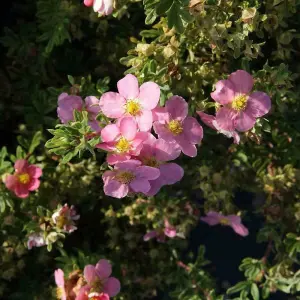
(59, 79)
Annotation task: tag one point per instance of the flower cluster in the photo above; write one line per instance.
(95, 283)
(237, 107)
(141, 160)
(64, 218)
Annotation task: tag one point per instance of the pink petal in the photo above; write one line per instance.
(113, 159)
(95, 126)
(128, 87)
(103, 268)
(177, 107)
(186, 147)
(92, 105)
(149, 95)
(21, 165)
(236, 137)
(90, 273)
(34, 184)
(170, 173)
(129, 165)
(242, 81)
(193, 131)
(160, 114)
(140, 185)
(237, 226)
(156, 185)
(98, 5)
(112, 104)
(145, 120)
(112, 286)
(146, 172)
(163, 132)
(150, 235)
(258, 104)
(66, 105)
(10, 182)
(116, 189)
(128, 128)
(106, 146)
(108, 7)
(166, 151)
(110, 132)
(34, 171)
(83, 293)
(88, 3)
(170, 232)
(21, 190)
(207, 119)
(212, 218)
(59, 278)
(226, 118)
(224, 93)
(107, 176)
(245, 122)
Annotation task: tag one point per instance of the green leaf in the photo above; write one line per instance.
(151, 16)
(163, 6)
(254, 291)
(71, 79)
(174, 19)
(20, 153)
(36, 140)
(238, 287)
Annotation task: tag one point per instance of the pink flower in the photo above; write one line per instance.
(104, 7)
(128, 176)
(60, 283)
(213, 218)
(239, 108)
(175, 126)
(35, 240)
(64, 218)
(25, 179)
(161, 234)
(132, 100)
(99, 283)
(122, 139)
(211, 122)
(68, 103)
(155, 153)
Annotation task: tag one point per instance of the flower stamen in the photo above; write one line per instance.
(125, 177)
(24, 178)
(240, 102)
(133, 108)
(122, 145)
(175, 127)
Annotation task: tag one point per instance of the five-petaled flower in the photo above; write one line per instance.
(129, 176)
(25, 178)
(173, 125)
(100, 286)
(104, 7)
(213, 218)
(132, 101)
(122, 139)
(239, 108)
(156, 153)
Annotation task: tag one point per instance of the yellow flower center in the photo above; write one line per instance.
(59, 293)
(24, 178)
(133, 108)
(125, 177)
(151, 162)
(224, 221)
(175, 127)
(239, 103)
(123, 145)
(61, 221)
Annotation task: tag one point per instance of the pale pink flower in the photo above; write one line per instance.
(35, 240)
(104, 7)
(175, 126)
(211, 122)
(122, 140)
(60, 283)
(128, 176)
(99, 283)
(156, 153)
(213, 218)
(68, 103)
(25, 178)
(64, 218)
(240, 108)
(132, 100)
(160, 234)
